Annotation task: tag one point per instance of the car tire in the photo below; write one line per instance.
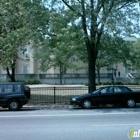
(14, 105)
(131, 103)
(86, 104)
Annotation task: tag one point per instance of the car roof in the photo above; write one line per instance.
(113, 86)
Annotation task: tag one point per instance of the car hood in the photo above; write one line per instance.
(84, 95)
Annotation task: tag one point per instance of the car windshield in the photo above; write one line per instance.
(96, 91)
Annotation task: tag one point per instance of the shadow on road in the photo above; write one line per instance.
(110, 108)
(98, 109)
(22, 109)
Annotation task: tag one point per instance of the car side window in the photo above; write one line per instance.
(117, 89)
(6, 88)
(103, 90)
(1, 88)
(17, 88)
(110, 90)
(124, 89)
(107, 90)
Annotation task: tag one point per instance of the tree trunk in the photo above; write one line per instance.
(92, 72)
(98, 72)
(12, 75)
(91, 44)
(61, 75)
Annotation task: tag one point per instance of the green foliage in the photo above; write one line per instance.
(97, 18)
(29, 81)
(59, 48)
(112, 50)
(133, 61)
(99, 83)
(20, 22)
(115, 83)
(132, 83)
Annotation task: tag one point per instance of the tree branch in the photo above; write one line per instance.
(70, 7)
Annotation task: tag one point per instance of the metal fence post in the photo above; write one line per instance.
(89, 89)
(54, 96)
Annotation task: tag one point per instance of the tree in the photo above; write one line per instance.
(133, 61)
(19, 24)
(112, 50)
(96, 17)
(59, 48)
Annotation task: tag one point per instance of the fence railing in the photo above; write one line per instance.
(47, 95)
(44, 95)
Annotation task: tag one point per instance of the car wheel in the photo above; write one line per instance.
(131, 103)
(14, 105)
(87, 104)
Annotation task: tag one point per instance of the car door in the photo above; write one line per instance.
(5, 91)
(104, 96)
(119, 94)
(2, 94)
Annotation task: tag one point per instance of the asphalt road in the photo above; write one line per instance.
(69, 124)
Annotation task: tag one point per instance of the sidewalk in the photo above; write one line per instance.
(64, 106)
(48, 106)
(47, 85)
(58, 107)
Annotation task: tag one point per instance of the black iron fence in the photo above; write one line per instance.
(53, 95)
(45, 95)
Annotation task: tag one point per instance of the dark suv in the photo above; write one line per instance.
(14, 95)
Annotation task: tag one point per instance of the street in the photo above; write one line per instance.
(69, 124)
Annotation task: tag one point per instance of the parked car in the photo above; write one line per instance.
(108, 95)
(14, 95)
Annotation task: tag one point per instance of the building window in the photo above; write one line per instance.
(25, 69)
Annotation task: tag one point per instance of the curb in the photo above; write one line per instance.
(50, 106)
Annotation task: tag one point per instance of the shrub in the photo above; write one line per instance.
(132, 83)
(99, 83)
(106, 83)
(118, 83)
(29, 81)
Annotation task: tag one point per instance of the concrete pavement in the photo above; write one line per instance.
(73, 124)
